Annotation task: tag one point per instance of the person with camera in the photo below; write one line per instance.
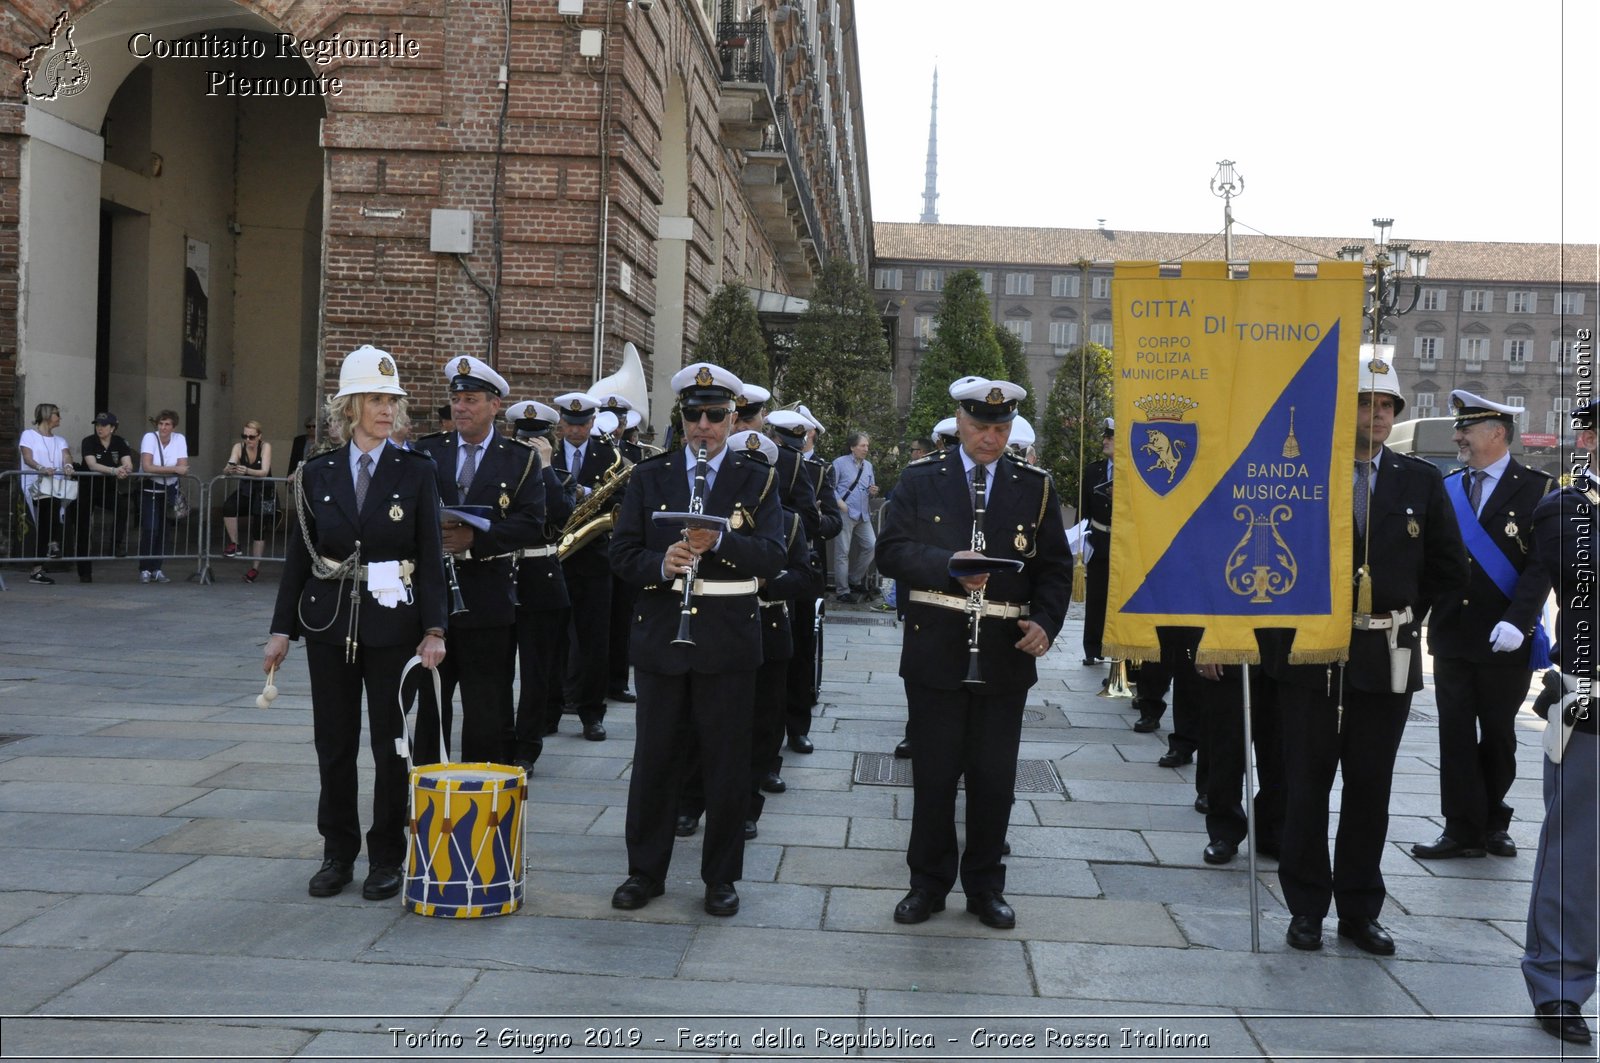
(254, 503)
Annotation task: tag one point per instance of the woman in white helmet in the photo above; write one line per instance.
(364, 583)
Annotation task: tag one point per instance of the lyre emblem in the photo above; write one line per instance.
(1261, 564)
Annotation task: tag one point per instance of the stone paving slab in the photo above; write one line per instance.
(75, 871)
(1041, 918)
(235, 837)
(1283, 980)
(1172, 817)
(539, 943)
(885, 961)
(1463, 898)
(300, 778)
(31, 976)
(85, 1038)
(84, 833)
(65, 798)
(588, 895)
(18, 906)
(131, 748)
(21, 723)
(273, 879)
(289, 806)
(100, 771)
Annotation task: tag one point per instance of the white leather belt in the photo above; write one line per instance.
(406, 568)
(1381, 621)
(717, 588)
(540, 551)
(1001, 610)
(1097, 526)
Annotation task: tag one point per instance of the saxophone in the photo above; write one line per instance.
(594, 516)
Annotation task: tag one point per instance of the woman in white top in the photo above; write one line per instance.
(44, 454)
(164, 454)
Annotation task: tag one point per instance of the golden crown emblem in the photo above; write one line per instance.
(385, 367)
(463, 368)
(611, 402)
(1165, 407)
(995, 397)
(1379, 366)
(703, 378)
(753, 441)
(576, 405)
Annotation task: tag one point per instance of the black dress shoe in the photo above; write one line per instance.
(1005, 848)
(1446, 848)
(594, 731)
(773, 783)
(1367, 936)
(992, 910)
(1563, 1019)
(686, 826)
(750, 830)
(525, 764)
(1146, 724)
(917, 905)
(381, 884)
(1500, 844)
(1305, 933)
(624, 695)
(331, 878)
(903, 750)
(1220, 852)
(1202, 804)
(722, 899)
(1173, 760)
(800, 744)
(636, 892)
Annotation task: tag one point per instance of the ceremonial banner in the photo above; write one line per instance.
(1235, 405)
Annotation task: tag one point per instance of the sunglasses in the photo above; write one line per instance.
(714, 414)
(248, 437)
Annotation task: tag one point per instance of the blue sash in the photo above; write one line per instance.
(1494, 563)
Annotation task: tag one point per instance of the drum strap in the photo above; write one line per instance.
(402, 744)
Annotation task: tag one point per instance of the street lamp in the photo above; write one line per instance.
(1227, 183)
(1391, 262)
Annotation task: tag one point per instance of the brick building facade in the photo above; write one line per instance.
(619, 161)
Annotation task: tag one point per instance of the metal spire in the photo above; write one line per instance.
(930, 193)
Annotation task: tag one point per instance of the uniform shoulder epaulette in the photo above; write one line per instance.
(1539, 472)
(413, 452)
(519, 441)
(1412, 459)
(430, 435)
(924, 460)
(654, 457)
(1037, 470)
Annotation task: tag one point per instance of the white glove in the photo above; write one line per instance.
(383, 580)
(1505, 638)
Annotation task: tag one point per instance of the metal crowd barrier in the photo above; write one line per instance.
(112, 519)
(258, 509)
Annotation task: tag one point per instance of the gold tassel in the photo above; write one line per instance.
(1079, 582)
(1364, 592)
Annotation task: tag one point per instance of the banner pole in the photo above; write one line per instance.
(1250, 811)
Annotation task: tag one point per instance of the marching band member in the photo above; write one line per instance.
(698, 692)
(477, 467)
(967, 505)
(365, 585)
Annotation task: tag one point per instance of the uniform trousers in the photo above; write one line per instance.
(623, 597)
(479, 660)
(802, 667)
(1363, 749)
(1563, 942)
(336, 733)
(955, 733)
(1223, 702)
(588, 635)
(711, 712)
(1097, 584)
(1153, 681)
(766, 730)
(538, 640)
(1478, 706)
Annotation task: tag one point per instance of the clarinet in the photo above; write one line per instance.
(458, 604)
(975, 599)
(697, 505)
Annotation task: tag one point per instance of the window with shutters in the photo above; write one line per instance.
(1019, 284)
(1100, 287)
(1100, 334)
(1064, 286)
(887, 280)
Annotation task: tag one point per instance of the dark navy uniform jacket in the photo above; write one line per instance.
(541, 586)
(400, 522)
(1094, 505)
(1565, 538)
(507, 481)
(1462, 621)
(928, 520)
(1415, 555)
(726, 630)
(801, 579)
(598, 456)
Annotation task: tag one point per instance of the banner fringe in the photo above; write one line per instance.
(1334, 656)
(1122, 651)
(1204, 656)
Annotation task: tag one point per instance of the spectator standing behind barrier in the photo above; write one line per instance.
(45, 454)
(858, 487)
(108, 458)
(364, 583)
(250, 458)
(163, 453)
(303, 445)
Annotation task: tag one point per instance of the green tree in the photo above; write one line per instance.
(730, 336)
(964, 345)
(839, 365)
(1080, 401)
(1017, 372)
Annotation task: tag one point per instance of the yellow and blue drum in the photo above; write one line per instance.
(465, 859)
